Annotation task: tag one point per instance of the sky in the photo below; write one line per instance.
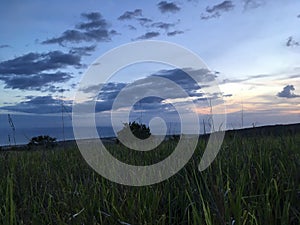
(251, 48)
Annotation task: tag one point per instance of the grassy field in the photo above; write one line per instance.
(255, 179)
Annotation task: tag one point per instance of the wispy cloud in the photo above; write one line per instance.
(253, 4)
(83, 51)
(143, 21)
(148, 35)
(130, 14)
(216, 10)
(176, 32)
(131, 27)
(248, 78)
(39, 105)
(224, 6)
(163, 25)
(5, 46)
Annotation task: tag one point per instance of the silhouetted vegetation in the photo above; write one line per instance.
(42, 140)
(139, 130)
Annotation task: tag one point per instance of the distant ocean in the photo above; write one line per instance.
(23, 135)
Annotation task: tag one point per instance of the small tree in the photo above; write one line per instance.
(42, 140)
(140, 131)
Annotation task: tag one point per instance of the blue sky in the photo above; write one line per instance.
(252, 46)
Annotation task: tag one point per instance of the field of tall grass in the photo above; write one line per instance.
(253, 180)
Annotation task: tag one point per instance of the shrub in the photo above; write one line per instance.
(42, 140)
(139, 130)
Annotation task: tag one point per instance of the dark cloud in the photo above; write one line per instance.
(130, 14)
(75, 36)
(164, 7)
(39, 105)
(95, 21)
(93, 16)
(34, 63)
(216, 10)
(104, 95)
(144, 20)
(253, 4)
(162, 25)
(5, 46)
(224, 6)
(176, 32)
(83, 51)
(96, 28)
(38, 82)
(150, 87)
(291, 42)
(107, 89)
(287, 92)
(38, 71)
(148, 35)
(185, 81)
(54, 89)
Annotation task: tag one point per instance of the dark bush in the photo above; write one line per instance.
(139, 130)
(42, 140)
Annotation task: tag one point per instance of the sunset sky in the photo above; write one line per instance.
(252, 47)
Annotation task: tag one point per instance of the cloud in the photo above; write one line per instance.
(148, 35)
(291, 42)
(294, 76)
(106, 95)
(39, 105)
(96, 28)
(38, 82)
(137, 14)
(216, 10)
(34, 63)
(207, 17)
(239, 80)
(37, 71)
(149, 86)
(95, 21)
(83, 51)
(186, 82)
(253, 4)
(130, 14)
(5, 46)
(144, 20)
(165, 7)
(162, 25)
(176, 32)
(287, 92)
(75, 36)
(224, 6)
(131, 27)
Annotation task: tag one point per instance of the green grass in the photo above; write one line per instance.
(254, 180)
